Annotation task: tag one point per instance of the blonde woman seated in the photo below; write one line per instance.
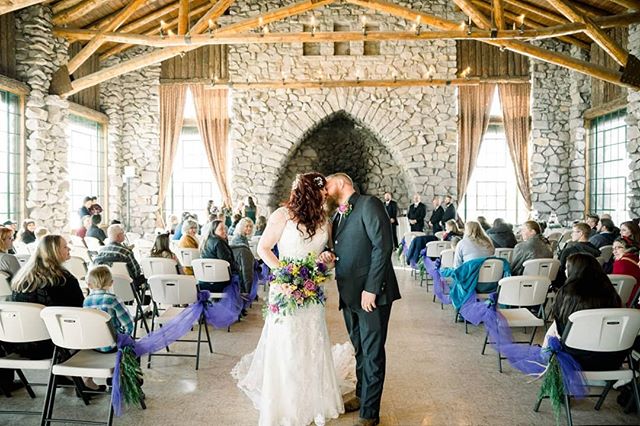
(533, 246)
(189, 239)
(451, 231)
(475, 244)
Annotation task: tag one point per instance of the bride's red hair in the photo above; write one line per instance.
(306, 202)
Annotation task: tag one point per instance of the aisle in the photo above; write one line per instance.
(435, 376)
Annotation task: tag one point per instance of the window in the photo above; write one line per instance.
(310, 49)
(86, 163)
(371, 48)
(192, 181)
(10, 157)
(608, 166)
(341, 48)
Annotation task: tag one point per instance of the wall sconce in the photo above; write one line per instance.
(313, 26)
(417, 27)
(363, 21)
(162, 24)
(469, 26)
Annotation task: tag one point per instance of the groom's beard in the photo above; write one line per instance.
(331, 205)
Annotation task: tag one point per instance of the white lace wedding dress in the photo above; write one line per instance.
(291, 377)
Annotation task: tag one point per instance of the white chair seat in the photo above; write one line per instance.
(133, 309)
(521, 317)
(607, 375)
(87, 363)
(16, 362)
(169, 314)
(217, 296)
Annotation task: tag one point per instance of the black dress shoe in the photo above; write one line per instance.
(352, 405)
(368, 422)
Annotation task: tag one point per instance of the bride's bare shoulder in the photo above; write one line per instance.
(280, 215)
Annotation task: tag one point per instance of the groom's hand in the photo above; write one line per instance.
(368, 301)
(327, 257)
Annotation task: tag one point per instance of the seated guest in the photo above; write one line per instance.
(606, 235)
(592, 220)
(116, 251)
(616, 230)
(625, 262)
(630, 230)
(162, 249)
(95, 231)
(451, 231)
(579, 244)
(172, 223)
(483, 222)
(501, 234)
(8, 262)
(189, 232)
(27, 236)
(533, 246)
(95, 208)
(242, 233)
(261, 223)
(178, 233)
(100, 281)
(206, 229)
(474, 244)
(242, 253)
(216, 247)
(40, 232)
(86, 204)
(236, 219)
(586, 287)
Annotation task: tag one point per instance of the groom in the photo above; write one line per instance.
(367, 285)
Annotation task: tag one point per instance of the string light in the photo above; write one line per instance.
(363, 21)
(313, 25)
(162, 24)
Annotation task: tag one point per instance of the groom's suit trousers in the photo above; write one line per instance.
(368, 333)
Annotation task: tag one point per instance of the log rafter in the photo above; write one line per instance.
(7, 6)
(69, 15)
(498, 14)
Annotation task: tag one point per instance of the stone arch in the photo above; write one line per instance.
(341, 143)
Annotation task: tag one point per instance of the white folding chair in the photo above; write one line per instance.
(212, 271)
(75, 240)
(172, 290)
(187, 255)
(132, 236)
(123, 288)
(517, 294)
(603, 330)
(434, 249)
(78, 268)
(439, 235)
(20, 248)
(504, 253)
(82, 330)
(447, 257)
(158, 265)
(119, 268)
(5, 287)
(23, 258)
(546, 267)
(81, 252)
(140, 253)
(624, 285)
(490, 272)
(21, 323)
(409, 236)
(92, 243)
(606, 252)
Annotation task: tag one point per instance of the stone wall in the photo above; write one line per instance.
(38, 55)
(132, 103)
(416, 126)
(633, 131)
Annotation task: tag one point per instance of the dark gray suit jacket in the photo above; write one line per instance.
(363, 246)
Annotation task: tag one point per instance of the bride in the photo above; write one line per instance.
(291, 377)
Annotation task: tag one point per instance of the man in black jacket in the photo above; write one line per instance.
(449, 210)
(392, 210)
(579, 244)
(417, 213)
(436, 215)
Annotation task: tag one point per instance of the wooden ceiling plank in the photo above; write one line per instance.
(183, 17)
(97, 41)
(498, 14)
(69, 15)
(537, 11)
(202, 24)
(405, 13)
(607, 44)
(64, 4)
(140, 22)
(629, 4)
(7, 6)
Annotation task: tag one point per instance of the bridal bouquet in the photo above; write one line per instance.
(296, 284)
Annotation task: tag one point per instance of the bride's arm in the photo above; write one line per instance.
(270, 237)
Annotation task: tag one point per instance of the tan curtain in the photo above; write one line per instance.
(213, 124)
(475, 106)
(515, 100)
(171, 116)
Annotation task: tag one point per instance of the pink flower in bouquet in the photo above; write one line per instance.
(297, 294)
(274, 308)
(310, 285)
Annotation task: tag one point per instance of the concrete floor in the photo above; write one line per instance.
(435, 376)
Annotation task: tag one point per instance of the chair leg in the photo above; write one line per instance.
(567, 406)
(26, 384)
(603, 395)
(533, 335)
(110, 418)
(79, 385)
(466, 327)
(206, 330)
(153, 323)
(198, 344)
(484, 345)
(48, 410)
(536, 407)
(499, 360)
(634, 385)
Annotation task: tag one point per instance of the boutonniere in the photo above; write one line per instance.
(345, 209)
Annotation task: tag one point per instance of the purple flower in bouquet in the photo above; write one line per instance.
(321, 267)
(310, 285)
(304, 272)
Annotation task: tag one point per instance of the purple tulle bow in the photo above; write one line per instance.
(440, 286)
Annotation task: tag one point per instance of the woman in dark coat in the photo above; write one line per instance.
(217, 247)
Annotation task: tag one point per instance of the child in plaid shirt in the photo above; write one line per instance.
(99, 280)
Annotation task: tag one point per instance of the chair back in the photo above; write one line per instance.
(435, 248)
(409, 236)
(158, 265)
(173, 289)
(75, 240)
(447, 257)
(211, 270)
(187, 255)
(132, 236)
(78, 328)
(23, 258)
(504, 253)
(491, 271)
(605, 254)
(523, 290)
(21, 322)
(5, 286)
(545, 267)
(439, 235)
(623, 284)
(122, 288)
(77, 267)
(20, 247)
(141, 242)
(554, 236)
(81, 252)
(602, 330)
(119, 268)
(92, 243)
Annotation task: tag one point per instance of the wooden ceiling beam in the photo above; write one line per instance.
(7, 6)
(183, 17)
(498, 14)
(69, 15)
(64, 4)
(160, 55)
(138, 23)
(629, 4)
(537, 11)
(608, 44)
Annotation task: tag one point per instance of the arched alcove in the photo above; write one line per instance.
(339, 143)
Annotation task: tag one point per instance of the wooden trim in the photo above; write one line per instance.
(612, 106)
(10, 6)
(69, 15)
(183, 17)
(13, 86)
(88, 113)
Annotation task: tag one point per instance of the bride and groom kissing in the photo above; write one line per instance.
(291, 376)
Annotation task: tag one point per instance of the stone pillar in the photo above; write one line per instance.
(633, 129)
(38, 56)
(550, 113)
(580, 92)
(133, 105)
